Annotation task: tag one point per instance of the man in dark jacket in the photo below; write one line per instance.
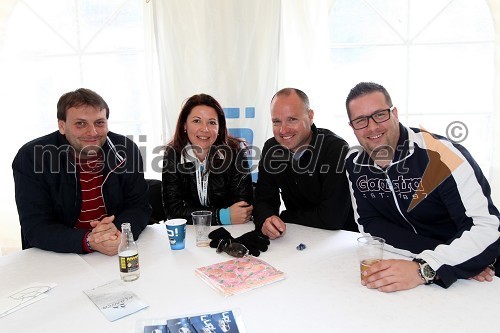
(75, 187)
(305, 165)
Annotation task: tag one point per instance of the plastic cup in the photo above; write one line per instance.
(201, 221)
(176, 230)
(370, 251)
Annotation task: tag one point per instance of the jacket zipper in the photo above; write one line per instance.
(391, 187)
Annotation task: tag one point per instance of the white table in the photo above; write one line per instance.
(321, 291)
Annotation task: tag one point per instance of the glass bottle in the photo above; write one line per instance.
(128, 255)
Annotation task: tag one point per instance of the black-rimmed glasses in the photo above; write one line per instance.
(378, 117)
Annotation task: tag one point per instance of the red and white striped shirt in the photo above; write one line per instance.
(91, 179)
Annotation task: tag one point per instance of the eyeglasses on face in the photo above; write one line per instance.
(378, 117)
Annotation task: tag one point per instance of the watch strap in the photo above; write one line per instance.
(423, 265)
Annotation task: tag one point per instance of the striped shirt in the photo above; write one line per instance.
(91, 179)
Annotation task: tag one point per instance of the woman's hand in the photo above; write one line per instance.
(240, 212)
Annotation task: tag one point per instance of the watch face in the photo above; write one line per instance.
(428, 272)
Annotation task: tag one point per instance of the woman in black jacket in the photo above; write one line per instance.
(205, 168)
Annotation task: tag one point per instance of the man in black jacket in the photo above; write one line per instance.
(305, 165)
(74, 187)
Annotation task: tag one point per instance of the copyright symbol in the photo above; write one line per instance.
(457, 132)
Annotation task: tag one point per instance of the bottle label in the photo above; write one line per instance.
(129, 264)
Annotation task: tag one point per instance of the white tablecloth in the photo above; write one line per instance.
(321, 291)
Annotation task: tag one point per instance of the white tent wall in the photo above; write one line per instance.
(241, 52)
(495, 162)
(224, 48)
(304, 54)
(9, 223)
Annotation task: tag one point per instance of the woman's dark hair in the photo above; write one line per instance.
(181, 139)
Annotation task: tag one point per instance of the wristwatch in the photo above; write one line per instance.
(426, 272)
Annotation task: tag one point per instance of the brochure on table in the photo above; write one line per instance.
(115, 300)
(226, 321)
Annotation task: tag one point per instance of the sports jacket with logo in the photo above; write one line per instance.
(432, 202)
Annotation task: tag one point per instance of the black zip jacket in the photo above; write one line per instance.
(48, 193)
(229, 181)
(313, 188)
